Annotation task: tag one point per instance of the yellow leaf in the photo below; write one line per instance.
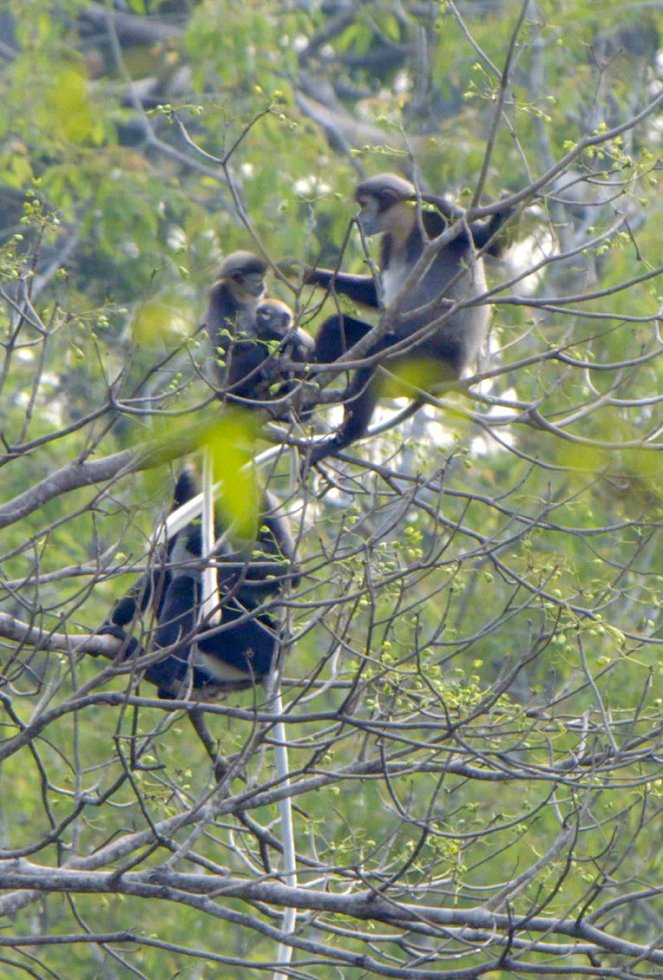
(231, 443)
(585, 459)
(68, 106)
(156, 320)
(414, 376)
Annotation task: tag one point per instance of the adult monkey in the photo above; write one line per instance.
(231, 311)
(253, 339)
(163, 607)
(430, 327)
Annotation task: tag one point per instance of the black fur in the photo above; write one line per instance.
(254, 343)
(164, 607)
(456, 275)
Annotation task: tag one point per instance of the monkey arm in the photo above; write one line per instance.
(486, 234)
(128, 612)
(150, 590)
(360, 289)
(449, 211)
(337, 335)
(302, 345)
(132, 604)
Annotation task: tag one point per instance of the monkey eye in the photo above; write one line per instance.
(371, 206)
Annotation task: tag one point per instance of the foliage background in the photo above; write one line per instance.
(474, 718)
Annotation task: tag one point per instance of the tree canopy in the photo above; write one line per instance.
(470, 690)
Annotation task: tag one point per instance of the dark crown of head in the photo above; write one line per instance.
(386, 187)
(243, 262)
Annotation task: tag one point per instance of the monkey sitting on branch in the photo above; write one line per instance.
(237, 647)
(430, 295)
(256, 347)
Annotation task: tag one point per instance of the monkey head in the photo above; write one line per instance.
(385, 205)
(244, 275)
(274, 319)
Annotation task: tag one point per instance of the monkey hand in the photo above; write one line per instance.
(128, 646)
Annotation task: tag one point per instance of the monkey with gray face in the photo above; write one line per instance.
(427, 329)
(253, 337)
(231, 316)
(283, 347)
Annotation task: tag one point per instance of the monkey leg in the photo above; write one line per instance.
(337, 335)
(177, 619)
(359, 406)
(248, 648)
(209, 743)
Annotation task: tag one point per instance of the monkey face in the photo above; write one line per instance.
(252, 283)
(273, 319)
(369, 217)
(245, 274)
(386, 215)
(382, 201)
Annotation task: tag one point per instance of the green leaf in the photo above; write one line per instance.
(231, 442)
(68, 110)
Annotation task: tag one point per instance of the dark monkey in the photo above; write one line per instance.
(234, 298)
(253, 338)
(164, 605)
(281, 346)
(388, 208)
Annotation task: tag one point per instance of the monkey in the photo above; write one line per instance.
(240, 652)
(388, 208)
(274, 320)
(280, 346)
(231, 309)
(254, 334)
